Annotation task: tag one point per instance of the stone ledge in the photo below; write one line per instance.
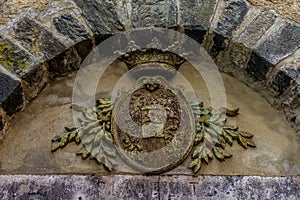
(148, 187)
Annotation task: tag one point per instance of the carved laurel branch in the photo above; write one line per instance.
(94, 134)
(210, 141)
(212, 135)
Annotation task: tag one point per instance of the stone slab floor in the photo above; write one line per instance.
(26, 147)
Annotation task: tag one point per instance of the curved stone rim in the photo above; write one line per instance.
(279, 74)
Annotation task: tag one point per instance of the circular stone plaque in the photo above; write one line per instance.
(153, 126)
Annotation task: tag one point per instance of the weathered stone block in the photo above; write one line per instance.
(257, 28)
(216, 187)
(137, 187)
(219, 45)
(291, 104)
(11, 95)
(151, 13)
(281, 82)
(64, 63)
(196, 13)
(13, 58)
(36, 39)
(197, 33)
(258, 67)
(101, 17)
(231, 17)
(70, 27)
(24, 65)
(239, 54)
(154, 187)
(291, 65)
(281, 42)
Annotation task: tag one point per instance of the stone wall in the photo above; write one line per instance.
(145, 187)
(254, 44)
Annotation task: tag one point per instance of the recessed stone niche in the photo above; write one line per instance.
(42, 47)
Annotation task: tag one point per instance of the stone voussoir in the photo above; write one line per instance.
(196, 13)
(151, 13)
(11, 95)
(248, 34)
(195, 18)
(36, 39)
(101, 17)
(20, 62)
(69, 26)
(282, 39)
(229, 15)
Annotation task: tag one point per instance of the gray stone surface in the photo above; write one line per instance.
(229, 187)
(291, 65)
(281, 42)
(11, 98)
(196, 13)
(281, 82)
(70, 27)
(24, 65)
(257, 28)
(258, 67)
(13, 58)
(291, 104)
(101, 17)
(231, 17)
(64, 63)
(152, 187)
(239, 54)
(37, 39)
(150, 13)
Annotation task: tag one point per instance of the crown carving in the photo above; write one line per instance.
(154, 53)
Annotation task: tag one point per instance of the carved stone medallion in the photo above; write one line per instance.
(153, 126)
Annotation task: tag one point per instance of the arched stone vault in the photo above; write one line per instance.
(256, 45)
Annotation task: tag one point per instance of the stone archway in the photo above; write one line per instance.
(256, 45)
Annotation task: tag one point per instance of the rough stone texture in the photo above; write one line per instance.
(37, 39)
(291, 65)
(154, 187)
(239, 54)
(101, 16)
(64, 63)
(229, 188)
(70, 27)
(24, 65)
(281, 42)
(258, 67)
(150, 13)
(291, 104)
(9, 9)
(281, 82)
(197, 33)
(287, 8)
(11, 98)
(215, 43)
(231, 17)
(13, 58)
(257, 28)
(196, 13)
(35, 80)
